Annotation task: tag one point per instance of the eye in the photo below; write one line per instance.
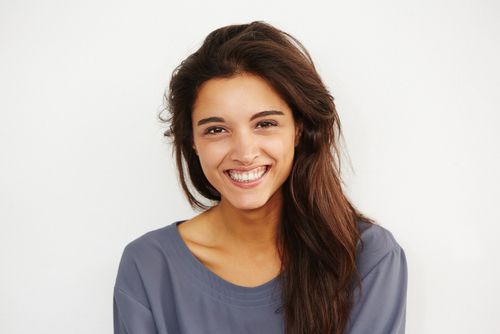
(266, 124)
(214, 129)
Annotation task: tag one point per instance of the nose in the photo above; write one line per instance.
(245, 148)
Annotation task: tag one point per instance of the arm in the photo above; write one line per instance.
(380, 306)
(132, 310)
(130, 316)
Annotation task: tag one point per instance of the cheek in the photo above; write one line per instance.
(211, 155)
(280, 149)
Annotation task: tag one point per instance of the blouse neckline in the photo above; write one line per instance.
(210, 283)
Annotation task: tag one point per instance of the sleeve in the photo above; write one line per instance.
(130, 316)
(132, 311)
(380, 305)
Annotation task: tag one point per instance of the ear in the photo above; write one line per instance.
(195, 150)
(298, 131)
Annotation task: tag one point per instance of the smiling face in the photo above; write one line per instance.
(244, 135)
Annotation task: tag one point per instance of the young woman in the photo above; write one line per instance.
(278, 248)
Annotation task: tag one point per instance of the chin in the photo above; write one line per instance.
(247, 205)
(254, 201)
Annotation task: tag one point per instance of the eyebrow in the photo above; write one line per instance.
(210, 120)
(266, 113)
(257, 115)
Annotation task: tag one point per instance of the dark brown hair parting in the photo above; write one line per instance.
(317, 237)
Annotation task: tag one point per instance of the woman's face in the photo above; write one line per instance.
(244, 135)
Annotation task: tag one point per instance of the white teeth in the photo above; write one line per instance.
(252, 176)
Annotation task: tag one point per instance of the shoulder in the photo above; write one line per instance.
(156, 239)
(148, 260)
(150, 253)
(377, 245)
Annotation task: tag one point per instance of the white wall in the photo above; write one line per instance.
(84, 168)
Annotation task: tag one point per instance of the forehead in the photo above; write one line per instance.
(239, 95)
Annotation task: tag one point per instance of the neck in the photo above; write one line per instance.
(247, 229)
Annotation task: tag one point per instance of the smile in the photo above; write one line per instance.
(247, 176)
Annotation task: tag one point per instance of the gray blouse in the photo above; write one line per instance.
(162, 288)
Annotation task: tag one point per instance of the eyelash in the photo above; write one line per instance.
(268, 124)
(218, 129)
(214, 129)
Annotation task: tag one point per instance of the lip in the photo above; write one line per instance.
(251, 184)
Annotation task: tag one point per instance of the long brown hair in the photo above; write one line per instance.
(317, 237)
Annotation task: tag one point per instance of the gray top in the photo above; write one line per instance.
(162, 288)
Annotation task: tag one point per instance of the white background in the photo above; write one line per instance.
(84, 168)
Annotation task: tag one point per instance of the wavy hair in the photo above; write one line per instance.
(317, 236)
